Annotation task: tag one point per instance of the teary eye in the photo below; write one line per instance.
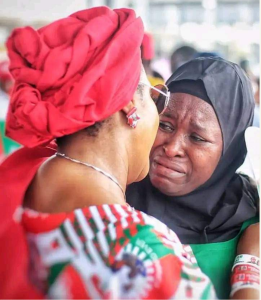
(197, 138)
(166, 126)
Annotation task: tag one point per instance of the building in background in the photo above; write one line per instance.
(229, 28)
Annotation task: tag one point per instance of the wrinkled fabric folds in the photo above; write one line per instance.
(72, 73)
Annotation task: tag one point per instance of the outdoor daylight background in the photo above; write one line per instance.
(227, 28)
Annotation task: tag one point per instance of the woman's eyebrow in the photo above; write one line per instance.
(169, 115)
(198, 126)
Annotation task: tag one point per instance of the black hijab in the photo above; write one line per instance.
(215, 211)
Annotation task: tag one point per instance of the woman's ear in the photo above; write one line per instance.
(131, 114)
(127, 108)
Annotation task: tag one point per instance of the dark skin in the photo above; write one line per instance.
(190, 139)
(62, 186)
(188, 146)
(249, 244)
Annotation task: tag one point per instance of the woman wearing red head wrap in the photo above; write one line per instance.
(66, 230)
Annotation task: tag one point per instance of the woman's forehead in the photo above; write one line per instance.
(187, 106)
(181, 100)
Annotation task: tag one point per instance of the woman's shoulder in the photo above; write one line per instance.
(45, 189)
(98, 216)
(59, 186)
(113, 221)
(108, 240)
(106, 217)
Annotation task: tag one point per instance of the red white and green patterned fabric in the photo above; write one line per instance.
(110, 251)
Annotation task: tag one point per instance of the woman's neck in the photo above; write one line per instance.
(72, 185)
(106, 154)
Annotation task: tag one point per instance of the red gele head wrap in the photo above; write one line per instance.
(147, 52)
(72, 73)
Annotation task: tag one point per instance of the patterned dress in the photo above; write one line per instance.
(110, 251)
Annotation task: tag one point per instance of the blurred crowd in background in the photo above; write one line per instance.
(176, 32)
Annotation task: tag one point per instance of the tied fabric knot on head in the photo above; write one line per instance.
(48, 102)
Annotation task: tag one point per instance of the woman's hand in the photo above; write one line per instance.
(248, 244)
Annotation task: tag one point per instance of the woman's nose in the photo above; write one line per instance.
(174, 147)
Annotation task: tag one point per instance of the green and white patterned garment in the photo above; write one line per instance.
(110, 251)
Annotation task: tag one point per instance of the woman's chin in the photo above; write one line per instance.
(166, 187)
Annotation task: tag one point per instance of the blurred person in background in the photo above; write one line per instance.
(6, 83)
(192, 185)
(147, 55)
(256, 121)
(245, 65)
(181, 55)
(206, 54)
(6, 80)
(66, 229)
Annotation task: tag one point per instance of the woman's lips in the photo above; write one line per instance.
(172, 171)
